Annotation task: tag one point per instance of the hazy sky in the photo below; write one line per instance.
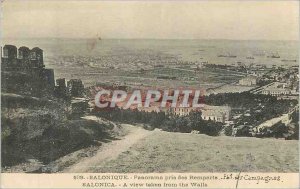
(271, 20)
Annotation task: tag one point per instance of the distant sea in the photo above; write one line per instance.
(186, 50)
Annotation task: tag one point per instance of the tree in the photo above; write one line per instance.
(279, 130)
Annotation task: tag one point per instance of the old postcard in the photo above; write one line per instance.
(149, 94)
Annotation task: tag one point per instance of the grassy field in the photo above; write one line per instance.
(184, 76)
(178, 152)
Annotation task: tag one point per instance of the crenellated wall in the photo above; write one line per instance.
(22, 58)
(23, 72)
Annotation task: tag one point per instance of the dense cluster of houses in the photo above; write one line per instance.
(282, 83)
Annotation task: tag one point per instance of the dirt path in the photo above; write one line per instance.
(110, 151)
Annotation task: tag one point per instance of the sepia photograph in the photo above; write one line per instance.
(156, 87)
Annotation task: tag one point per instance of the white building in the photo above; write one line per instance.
(216, 113)
(248, 81)
(276, 89)
(182, 111)
(213, 113)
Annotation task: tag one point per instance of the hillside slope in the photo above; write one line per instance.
(185, 152)
(36, 132)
